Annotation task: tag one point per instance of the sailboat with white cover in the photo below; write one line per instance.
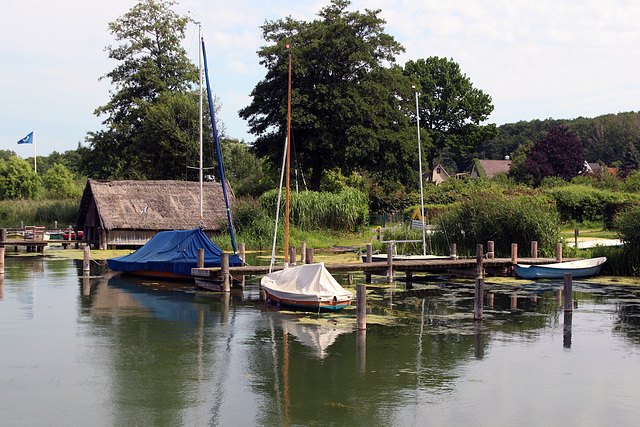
(307, 286)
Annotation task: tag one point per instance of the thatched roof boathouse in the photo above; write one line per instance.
(129, 213)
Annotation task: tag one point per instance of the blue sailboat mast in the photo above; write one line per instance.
(215, 137)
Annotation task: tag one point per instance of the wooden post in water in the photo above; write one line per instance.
(452, 251)
(568, 291)
(292, 255)
(224, 270)
(243, 254)
(367, 276)
(491, 254)
(514, 253)
(576, 233)
(390, 263)
(479, 291)
(200, 262)
(86, 266)
(534, 249)
(3, 238)
(559, 252)
(303, 252)
(361, 307)
(309, 257)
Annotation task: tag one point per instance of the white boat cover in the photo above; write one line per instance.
(307, 282)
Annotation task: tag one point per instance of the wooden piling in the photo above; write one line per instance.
(452, 251)
(367, 276)
(224, 270)
(479, 289)
(514, 253)
(361, 307)
(559, 252)
(309, 256)
(568, 291)
(303, 252)
(479, 261)
(3, 238)
(86, 266)
(491, 254)
(200, 262)
(576, 233)
(243, 254)
(534, 249)
(292, 255)
(390, 263)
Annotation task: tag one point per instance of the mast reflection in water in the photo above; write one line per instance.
(115, 351)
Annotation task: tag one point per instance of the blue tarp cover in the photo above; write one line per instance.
(172, 251)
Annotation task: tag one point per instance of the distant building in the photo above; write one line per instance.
(489, 168)
(438, 175)
(129, 213)
(592, 167)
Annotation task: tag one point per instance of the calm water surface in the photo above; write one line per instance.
(116, 352)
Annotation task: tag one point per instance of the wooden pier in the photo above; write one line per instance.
(456, 267)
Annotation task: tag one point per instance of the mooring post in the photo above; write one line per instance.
(568, 291)
(200, 262)
(224, 270)
(242, 252)
(303, 252)
(292, 255)
(479, 291)
(452, 251)
(309, 257)
(361, 307)
(390, 263)
(55, 225)
(491, 254)
(514, 253)
(559, 252)
(86, 266)
(576, 233)
(534, 249)
(367, 275)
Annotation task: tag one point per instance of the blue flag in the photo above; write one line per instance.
(27, 139)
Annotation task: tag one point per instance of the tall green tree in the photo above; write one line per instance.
(152, 118)
(451, 109)
(60, 180)
(346, 104)
(18, 180)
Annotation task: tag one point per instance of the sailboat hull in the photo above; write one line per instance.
(308, 305)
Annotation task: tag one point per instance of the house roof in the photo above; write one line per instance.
(154, 205)
(492, 167)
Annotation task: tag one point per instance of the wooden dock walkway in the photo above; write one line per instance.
(442, 265)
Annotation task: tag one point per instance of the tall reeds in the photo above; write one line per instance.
(38, 212)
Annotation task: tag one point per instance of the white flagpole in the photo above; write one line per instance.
(34, 152)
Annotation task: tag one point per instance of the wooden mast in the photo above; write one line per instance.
(286, 231)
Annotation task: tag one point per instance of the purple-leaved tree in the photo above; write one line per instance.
(557, 154)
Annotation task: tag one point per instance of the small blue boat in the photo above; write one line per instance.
(582, 268)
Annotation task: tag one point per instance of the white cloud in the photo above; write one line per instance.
(536, 59)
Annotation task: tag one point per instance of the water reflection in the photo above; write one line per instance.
(146, 353)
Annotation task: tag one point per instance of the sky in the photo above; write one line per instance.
(536, 59)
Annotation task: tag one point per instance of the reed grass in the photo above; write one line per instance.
(38, 212)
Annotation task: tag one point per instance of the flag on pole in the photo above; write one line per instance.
(27, 139)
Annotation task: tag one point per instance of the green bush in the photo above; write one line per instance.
(504, 220)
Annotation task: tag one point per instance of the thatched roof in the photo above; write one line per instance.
(155, 205)
(492, 167)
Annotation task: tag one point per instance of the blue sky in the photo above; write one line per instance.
(548, 58)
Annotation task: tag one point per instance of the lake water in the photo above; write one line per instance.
(111, 351)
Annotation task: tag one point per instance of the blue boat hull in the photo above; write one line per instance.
(585, 268)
